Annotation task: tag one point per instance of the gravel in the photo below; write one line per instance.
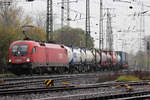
(55, 94)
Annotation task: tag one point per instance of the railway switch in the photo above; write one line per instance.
(49, 83)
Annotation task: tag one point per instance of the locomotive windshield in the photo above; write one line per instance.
(19, 50)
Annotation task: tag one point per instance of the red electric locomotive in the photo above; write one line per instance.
(26, 56)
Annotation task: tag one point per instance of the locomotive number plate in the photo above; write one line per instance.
(18, 60)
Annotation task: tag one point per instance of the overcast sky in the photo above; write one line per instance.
(125, 21)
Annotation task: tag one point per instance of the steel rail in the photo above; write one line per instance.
(121, 95)
(49, 76)
(98, 96)
(41, 81)
(19, 82)
(65, 88)
(134, 98)
(61, 88)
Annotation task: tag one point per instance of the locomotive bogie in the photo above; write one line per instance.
(19, 69)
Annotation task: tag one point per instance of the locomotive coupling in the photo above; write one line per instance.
(49, 83)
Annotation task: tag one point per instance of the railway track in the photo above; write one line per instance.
(97, 96)
(39, 80)
(45, 89)
(11, 89)
(143, 97)
(50, 76)
(69, 87)
(139, 94)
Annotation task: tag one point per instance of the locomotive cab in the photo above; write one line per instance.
(20, 56)
(21, 53)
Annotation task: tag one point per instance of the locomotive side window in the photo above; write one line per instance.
(33, 50)
(19, 50)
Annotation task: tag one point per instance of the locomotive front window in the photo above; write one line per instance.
(19, 50)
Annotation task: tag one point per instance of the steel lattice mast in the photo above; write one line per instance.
(49, 24)
(68, 12)
(109, 35)
(101, 40)
(62, 13)
(87, 23)
(65, 13)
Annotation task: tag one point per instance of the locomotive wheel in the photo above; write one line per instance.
(61, 70)
(71, 69)
(80, 69)
(37, 70)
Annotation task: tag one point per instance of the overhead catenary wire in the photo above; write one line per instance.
(76, 14)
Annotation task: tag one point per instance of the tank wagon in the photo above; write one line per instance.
(123, 62)
(27, 57)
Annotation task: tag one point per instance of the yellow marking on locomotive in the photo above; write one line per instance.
(148, 83)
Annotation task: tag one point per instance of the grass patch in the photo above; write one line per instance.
(126, 78)
(146, 77)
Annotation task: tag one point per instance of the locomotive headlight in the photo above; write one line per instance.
(9, 60)
(28, 59)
